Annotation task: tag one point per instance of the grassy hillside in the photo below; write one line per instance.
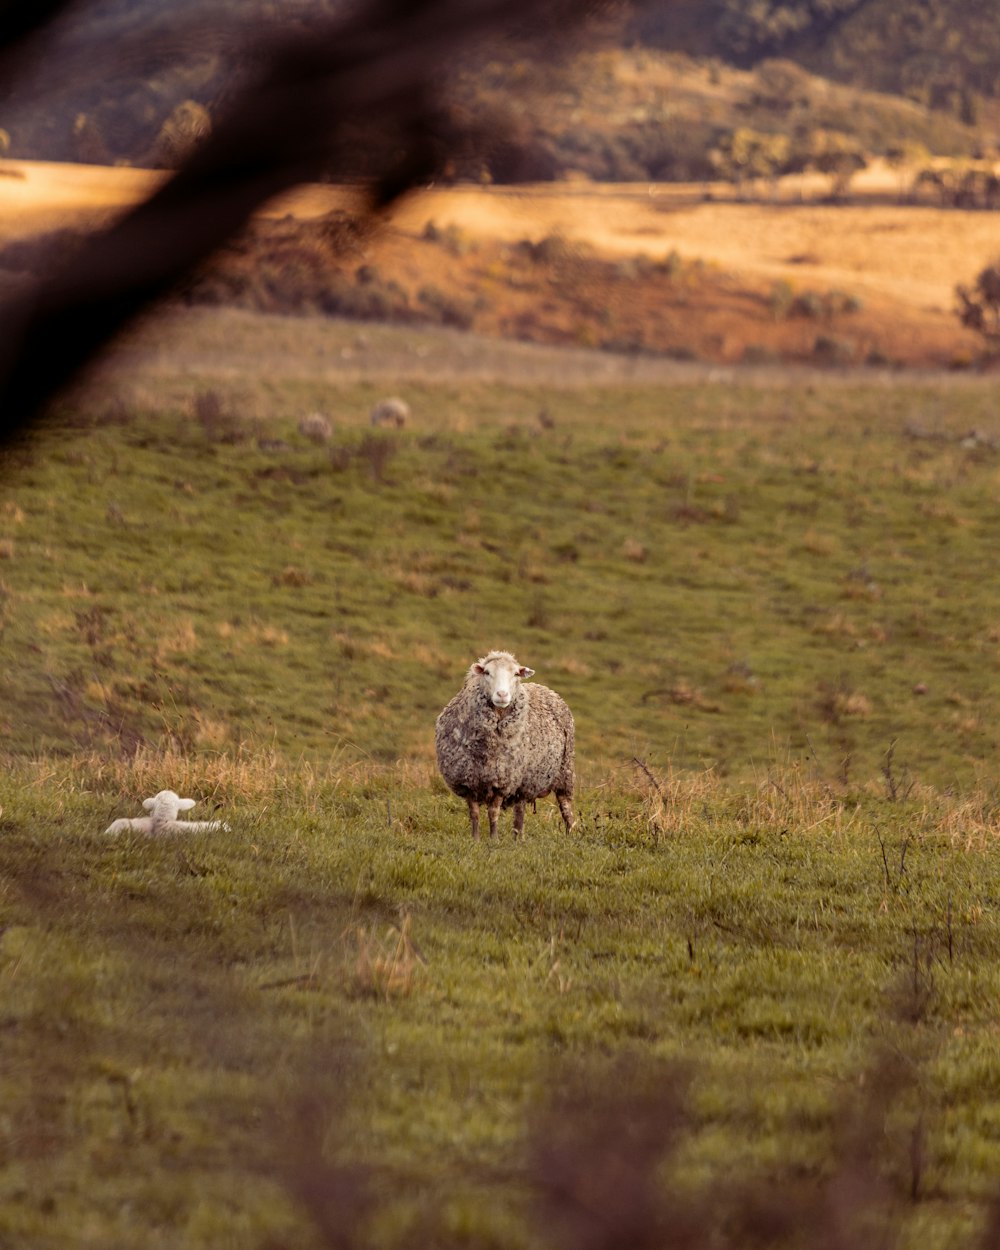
(940, 52)
(643, 114)
(711, 573)
(345, 1024)
(627, 105)
(757, 980)
(626, 268)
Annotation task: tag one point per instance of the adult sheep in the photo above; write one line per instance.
(392, 411)
(316, 428)
(506, 744)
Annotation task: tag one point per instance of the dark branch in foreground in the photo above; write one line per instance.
(383, 67)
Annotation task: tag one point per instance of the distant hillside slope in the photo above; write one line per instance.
(658, 106)
(648, 271)
(942, 53)
(640, 114)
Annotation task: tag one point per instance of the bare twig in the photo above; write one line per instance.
(644, 768)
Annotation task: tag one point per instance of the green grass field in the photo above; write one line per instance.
(711, 574)
(756, 990)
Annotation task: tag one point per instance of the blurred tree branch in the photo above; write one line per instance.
(383, 64)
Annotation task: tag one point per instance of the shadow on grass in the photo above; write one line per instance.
(605, 1170)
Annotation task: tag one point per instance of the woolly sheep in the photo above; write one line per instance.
(391, 411)
(316, 428)
(163, 810)
(506, 744)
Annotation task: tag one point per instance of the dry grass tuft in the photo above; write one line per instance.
(293, 576)
(634, 550)
(182, 639)
(386, 966)
(837, 704)
(254, 634)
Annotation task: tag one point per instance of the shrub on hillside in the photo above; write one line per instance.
(811, 305)
(830, 350)
(553, 249)
(447, 310)
(953, 186)
(365, 299)
(748, 156)
(979, 306)
(781, 87)
(292, 266)
(830, 152)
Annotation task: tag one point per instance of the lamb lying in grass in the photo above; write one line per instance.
(163, 810)
(506, 744)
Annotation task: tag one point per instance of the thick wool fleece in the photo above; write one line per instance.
(522, 753)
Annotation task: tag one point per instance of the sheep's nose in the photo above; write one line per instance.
(501, 696)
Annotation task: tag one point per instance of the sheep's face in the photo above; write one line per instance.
(166, 805)
(501, 677)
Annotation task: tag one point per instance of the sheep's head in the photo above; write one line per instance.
(166, 805)
(500, 676)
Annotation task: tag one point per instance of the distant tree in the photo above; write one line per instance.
(903, 157)
(976, 189)
(833, 153)
(751, 29)
(781, 87)
(979, 307)
(940, 183)
(955, 186)
(747, 156)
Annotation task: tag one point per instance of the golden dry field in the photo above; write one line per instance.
(684, 270)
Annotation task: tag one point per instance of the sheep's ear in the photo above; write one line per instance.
(148, 804)
(479, 669)
(185, 805)
(525, 673)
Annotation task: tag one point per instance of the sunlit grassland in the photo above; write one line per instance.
(173, 1009)
(708, 573)
(771, 609)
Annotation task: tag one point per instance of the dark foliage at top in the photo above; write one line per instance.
(302, 93)
(942, 53)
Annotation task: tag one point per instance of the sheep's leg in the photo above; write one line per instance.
(566, 808)
(474, 816)
(518, 819)
(494, 811)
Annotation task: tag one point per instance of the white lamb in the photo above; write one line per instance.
(163, 810)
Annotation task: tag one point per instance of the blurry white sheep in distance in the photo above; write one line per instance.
(163, 809)
(316, 428)
(392, 411)
(505, 744)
